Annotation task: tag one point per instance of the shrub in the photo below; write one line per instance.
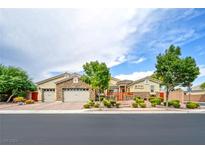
(153, 104)
(107, 103)
(29, 101)
(117, 105)
(113, 102)
(19, 99)
(176, 104)
(156, 101)
(91, 102)
(142, 105)
(192, 105)
(139, 100)
(86, 106)
(136, 97)
(134, 105)
(97, 105)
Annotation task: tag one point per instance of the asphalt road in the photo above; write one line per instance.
(102, 129)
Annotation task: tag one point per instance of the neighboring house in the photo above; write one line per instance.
(65, 87)
(144, 88)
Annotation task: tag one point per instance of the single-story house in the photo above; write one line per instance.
(144, 88)
(66, 87)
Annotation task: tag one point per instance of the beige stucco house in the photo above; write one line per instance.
(66, 87)
(144, 87)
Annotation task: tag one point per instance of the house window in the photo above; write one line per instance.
(152, 88)
(75, 80)
(138, 86)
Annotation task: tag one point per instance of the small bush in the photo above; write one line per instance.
(107, 103)
(19, 99)
(176, 104)
(153, 104)
(139, 100)
(29, 101)
(97, 105)
(142, 105)
(113, 102)
(136, 97)
(134, 105)
(156, 101)
(192, 105)
(86, 106)
(117, 105)
(91, 102)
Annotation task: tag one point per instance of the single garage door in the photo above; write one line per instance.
(76, 95)
(48, 95)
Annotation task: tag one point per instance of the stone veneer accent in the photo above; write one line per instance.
(69, 84)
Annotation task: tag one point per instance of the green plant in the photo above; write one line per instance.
(192, 105)
(19, 99)
(176, 105)
(97, 105)
(142, 105)
(155, 100)
(135, 105)
(136, 97)
(113, 102)
(91, 102)
(117, 105)
(139, 100)
(29, 101)
(107, 103)
(153, 104)
(86, 106)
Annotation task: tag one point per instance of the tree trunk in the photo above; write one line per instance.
(8, 100)
(167, 97)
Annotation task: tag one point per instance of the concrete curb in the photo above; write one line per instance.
(88, 111)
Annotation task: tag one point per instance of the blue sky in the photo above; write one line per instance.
(46, 42)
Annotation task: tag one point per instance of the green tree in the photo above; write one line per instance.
(97, 75)
(188, 72)
(14, 81)
(174, 70)
(202, 86)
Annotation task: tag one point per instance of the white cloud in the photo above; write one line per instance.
(202, 70)
(138, 60)
(134, 75)
(57, 40)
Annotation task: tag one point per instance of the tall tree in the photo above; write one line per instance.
(14, 81)
(188, 72)
(166, 68)
(97, 75)
(174, 70)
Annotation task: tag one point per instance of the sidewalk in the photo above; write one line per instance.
(109, 111)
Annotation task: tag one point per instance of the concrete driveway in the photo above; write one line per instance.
(42, 106)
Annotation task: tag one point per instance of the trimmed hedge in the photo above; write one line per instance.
(192, 105)
(138, 103)
(173, 103)
(134, 105)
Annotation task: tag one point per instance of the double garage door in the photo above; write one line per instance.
(75, 95)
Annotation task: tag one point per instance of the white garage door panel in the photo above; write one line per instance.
(76, 95)
(49, 96)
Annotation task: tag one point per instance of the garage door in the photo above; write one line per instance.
(76, 95)
(48, 95)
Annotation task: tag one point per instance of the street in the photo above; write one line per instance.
(101, 129)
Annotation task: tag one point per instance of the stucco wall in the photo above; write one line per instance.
(144, 87)
(47, 85)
